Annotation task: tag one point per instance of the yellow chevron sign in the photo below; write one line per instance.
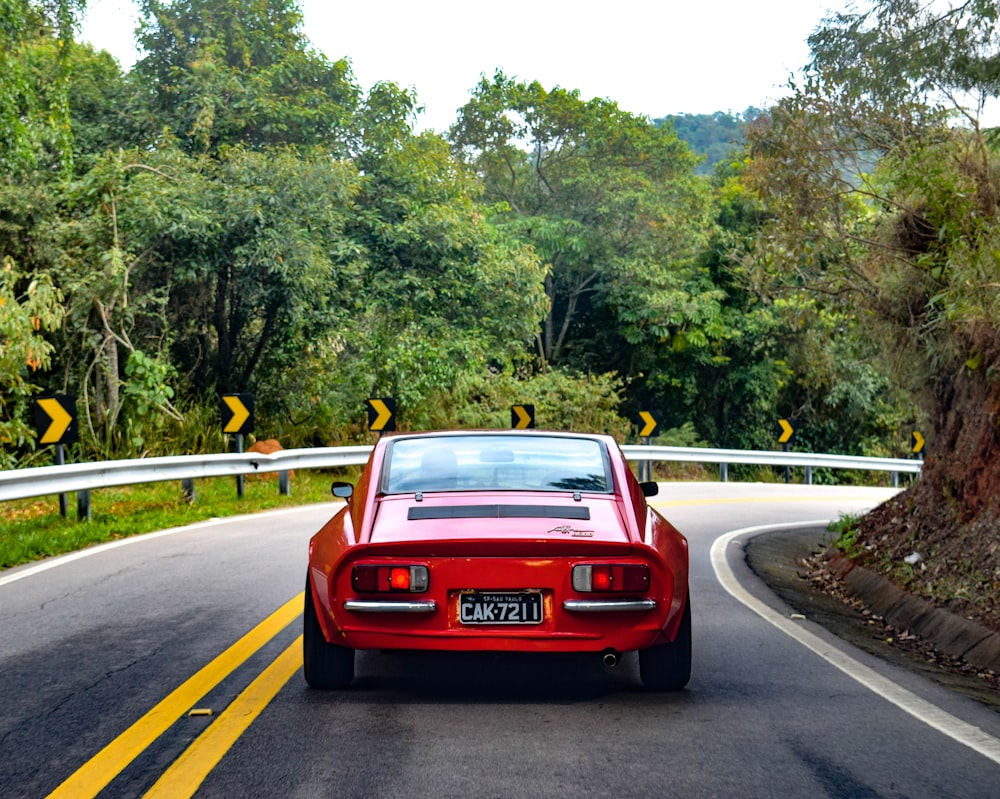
(916, 443)
(787, 431)
(53, 419)
(648, 424)
(237, 413)
(522, 417)
(381, 414)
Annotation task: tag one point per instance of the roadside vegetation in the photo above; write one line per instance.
(31, 529)
(234, 214)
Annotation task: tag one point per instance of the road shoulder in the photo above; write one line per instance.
(793, 563)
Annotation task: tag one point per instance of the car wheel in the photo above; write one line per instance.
(668, 667)
(326, 666)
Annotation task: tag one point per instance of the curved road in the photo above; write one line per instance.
(169, 665)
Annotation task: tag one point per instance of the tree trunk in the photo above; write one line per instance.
(113, 397)
(221, 324)
(549, 323)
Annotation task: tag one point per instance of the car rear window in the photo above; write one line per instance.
(496, 463)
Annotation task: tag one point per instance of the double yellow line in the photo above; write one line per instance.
(191, 768)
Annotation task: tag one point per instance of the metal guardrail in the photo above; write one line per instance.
(808, 460)
(48, 480)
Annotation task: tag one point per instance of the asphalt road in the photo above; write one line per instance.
(103, 659)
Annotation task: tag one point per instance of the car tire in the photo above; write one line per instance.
(668, 667)
(326, 666)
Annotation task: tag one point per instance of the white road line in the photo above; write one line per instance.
(930, 714)
(62, 560)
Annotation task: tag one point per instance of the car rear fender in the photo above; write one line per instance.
(328, 546)
(671, 549)
(319, 585)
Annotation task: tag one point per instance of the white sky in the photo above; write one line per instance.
(652, 58)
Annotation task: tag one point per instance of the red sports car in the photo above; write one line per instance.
(498, 541)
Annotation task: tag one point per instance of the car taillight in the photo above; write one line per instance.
(372, 579)
(632, 578)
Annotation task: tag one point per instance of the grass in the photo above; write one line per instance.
(846, 530)
(31, 529)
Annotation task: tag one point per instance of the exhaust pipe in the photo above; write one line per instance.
(610, 658)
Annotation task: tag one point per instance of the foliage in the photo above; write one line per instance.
(846, 530)
(31, 115)
(910, 242)
(563, 400)
(236, 259)
(884, 194)
(220, 72)
(235, 215)
(29, 305)
(609, 201)
(98, 102)
(473, 296)
(785, 353)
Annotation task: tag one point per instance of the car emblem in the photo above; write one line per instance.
(565, 529)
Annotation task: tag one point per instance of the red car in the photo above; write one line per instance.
(498, 541)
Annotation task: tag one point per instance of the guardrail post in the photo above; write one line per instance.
(284, 485)
(187, 486)
(83, 511)
(895, 479)
(724, 472)
(809, 475)
(239, 477)
(61, 461)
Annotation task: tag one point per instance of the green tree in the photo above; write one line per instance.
(107, 322)
(31, 119)
(211, 251)
(715, 137)
(445, 293)
(31, 305)
(610, 202)
(220, 72)
(787, 353)
(239, 257)
(911, 243)
(98, 103)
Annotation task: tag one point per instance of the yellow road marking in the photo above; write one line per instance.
(94, 775)
(188, 772)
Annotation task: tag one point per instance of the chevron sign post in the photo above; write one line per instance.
(381, 414)
(237, 420)
(786, 437)
(55, 423)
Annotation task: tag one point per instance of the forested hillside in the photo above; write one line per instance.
(715, 138)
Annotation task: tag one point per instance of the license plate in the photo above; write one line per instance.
(513, 608)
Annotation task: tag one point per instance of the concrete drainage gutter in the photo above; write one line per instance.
(950, 633)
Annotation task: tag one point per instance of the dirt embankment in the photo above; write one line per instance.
(923, 546)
